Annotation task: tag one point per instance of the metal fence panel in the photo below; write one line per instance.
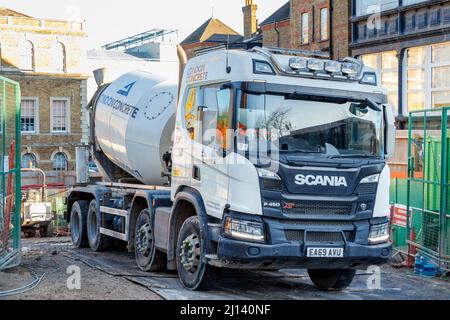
(428, 222)
(10, 195)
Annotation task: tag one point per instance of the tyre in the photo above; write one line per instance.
(148, 258)
(194, 272)
(332, 280)
(78, 224)
(47, 231)
(97, 241)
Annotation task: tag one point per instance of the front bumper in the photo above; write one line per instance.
(237, 254)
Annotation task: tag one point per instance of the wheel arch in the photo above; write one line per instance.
(188, 202)
(79, 195)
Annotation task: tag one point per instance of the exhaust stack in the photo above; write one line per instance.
(182, 58)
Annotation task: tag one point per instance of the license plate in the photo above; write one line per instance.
(325, 252)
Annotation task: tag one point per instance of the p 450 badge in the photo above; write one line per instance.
(326, 181)
(272, 204)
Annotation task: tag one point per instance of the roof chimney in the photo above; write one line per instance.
(250, 21)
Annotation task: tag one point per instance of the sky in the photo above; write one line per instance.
(111, 20)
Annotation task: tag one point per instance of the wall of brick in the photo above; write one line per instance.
(44, 82)
(290, 31)
(277, 35)
(44, 143)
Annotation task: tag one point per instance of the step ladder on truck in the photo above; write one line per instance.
(253, 159)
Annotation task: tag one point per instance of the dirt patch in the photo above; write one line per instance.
(44, 257)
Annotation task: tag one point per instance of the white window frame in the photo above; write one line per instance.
(327, 21)
(302, 37)
(24, 154)
(36, 116)
(428, 67)
(67, 160)
(68, 105)
(33, 61)
(379, 70)
(54, 57)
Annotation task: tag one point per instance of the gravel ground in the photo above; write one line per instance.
(43, 257)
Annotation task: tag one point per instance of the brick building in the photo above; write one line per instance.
(317, 25)
(211, 33)
(408, 43)
(46, 58)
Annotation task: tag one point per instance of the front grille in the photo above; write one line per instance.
(318, 207)
(295, 235)
(322, 237)
(318, 223)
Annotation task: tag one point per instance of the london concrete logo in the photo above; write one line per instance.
(126, 90)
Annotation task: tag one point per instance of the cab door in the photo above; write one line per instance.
(210, 172)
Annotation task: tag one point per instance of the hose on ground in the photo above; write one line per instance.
(33, 284)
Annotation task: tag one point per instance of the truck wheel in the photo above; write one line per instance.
(331, 280)
(47, 231)
(98, 242)
(78, 218)
(194, 272)
(148, 258)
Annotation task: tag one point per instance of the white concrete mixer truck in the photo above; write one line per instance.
(258, 159)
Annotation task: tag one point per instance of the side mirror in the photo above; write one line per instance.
(390, 132)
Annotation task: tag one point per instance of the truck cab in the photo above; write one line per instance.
(288, 155)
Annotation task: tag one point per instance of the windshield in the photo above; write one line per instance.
(308, 127)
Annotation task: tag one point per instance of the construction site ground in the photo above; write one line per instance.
(114, 276)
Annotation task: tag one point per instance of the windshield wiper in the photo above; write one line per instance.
(300, 151)
(354, 155)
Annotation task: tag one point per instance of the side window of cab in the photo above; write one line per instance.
(191, 111)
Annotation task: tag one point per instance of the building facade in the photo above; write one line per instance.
(314, 25)
(408, 43)
(46, 57)
(210, 34)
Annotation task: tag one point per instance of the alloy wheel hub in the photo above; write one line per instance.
(144, 240)
(190, 253)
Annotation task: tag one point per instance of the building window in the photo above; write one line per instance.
(29, 161)
(324, 24)
(60, 162)
(59, 57)
(26, 55)
(386, 66)
(305, 28)
(59, 115)
(366, 7)
(428, 77)
(28, 116)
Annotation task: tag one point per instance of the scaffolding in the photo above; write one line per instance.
(10, 195)
(151, 36)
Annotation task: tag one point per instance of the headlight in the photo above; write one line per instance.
(316, 65)
(244, 230)
(351, 69)
(379, 233)
(333, 66)
(266, 174)
(298, 63)
(270, 180)
(262, 67)
(369, 78)
(371, 179)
